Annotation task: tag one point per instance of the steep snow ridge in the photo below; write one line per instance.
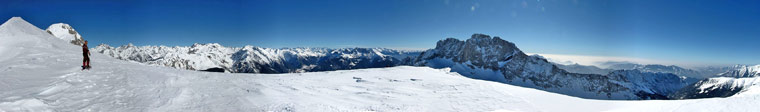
(494, 59)
(742, 71)
(717, 87)
(65, 32)
(731, 83)
(726, 82)
(251, 59)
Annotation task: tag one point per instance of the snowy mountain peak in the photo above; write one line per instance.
(128, 45)
(206, 45)
(103, 45)
(480, 49)
(742, 71)
(18, 31)
(65, 32)
(16, 20)
(19, 37)
(19, 25)
(494, 59)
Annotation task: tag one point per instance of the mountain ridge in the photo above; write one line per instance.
(251, 59)
(495, 59)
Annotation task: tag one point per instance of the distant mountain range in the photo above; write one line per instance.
(250, 59)
(725, 85)
(701, 73)
(40, 73)
(480, 57)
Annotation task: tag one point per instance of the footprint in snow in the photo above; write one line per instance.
(359, 79)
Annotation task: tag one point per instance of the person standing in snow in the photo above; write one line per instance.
(86, 54)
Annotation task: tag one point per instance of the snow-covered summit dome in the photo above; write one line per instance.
(65, 32)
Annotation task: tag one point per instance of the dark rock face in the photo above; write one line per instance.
(483, 53)
(480, 49)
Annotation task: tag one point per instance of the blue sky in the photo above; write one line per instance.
(698, 31)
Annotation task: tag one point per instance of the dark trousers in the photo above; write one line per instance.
(86, 61)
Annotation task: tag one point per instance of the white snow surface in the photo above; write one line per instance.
(40, 73)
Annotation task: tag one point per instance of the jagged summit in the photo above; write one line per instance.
(494, 59)
(480, 49)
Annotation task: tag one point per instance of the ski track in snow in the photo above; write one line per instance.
(45, 76)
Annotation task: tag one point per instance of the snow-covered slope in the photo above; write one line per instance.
(494, 59)
(730, 83)
(250, 59)
(41, 73)
(65, 32)
(716, 87)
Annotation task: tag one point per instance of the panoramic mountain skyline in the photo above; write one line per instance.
(681, 32)
(520, 55)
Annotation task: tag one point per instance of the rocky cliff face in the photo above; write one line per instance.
(494, 59)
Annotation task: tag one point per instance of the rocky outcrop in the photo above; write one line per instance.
(495, 59)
